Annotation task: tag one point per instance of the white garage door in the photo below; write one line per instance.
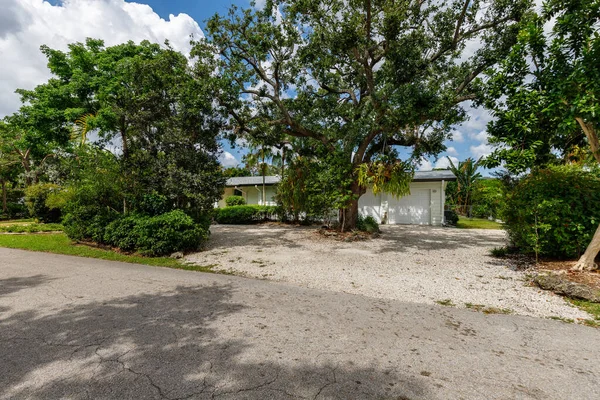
(411, 209)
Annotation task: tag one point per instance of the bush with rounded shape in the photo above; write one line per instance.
(35, 198)
(155, 236)
(88, 223)
(451, 217)
(235, 201)
(554, 212)
(367, 224)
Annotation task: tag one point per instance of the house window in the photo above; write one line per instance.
(238, 192)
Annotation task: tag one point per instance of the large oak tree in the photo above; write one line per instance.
(351, 82)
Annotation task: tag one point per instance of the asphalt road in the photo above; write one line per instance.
(81, 328)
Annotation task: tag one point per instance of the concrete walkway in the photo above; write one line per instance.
(81, 328)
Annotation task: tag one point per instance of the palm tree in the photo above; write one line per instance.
(466, 176)
(82, 126)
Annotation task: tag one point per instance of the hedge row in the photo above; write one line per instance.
(153, 236)
(247, 214)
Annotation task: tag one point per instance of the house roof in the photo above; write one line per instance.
(252, 180)
(420, 176)
(442, 174)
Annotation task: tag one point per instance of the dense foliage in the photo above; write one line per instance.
(544, 95)
(309, 190)
(488, 199)
(367, 224)
(356, 80)
(247, 214)
(36, 198)
(155, 235)
(451, 217)
(235, 201)
(460, 192)
(155, 148)
(554, 211)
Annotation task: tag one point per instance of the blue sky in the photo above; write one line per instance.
(27, 24)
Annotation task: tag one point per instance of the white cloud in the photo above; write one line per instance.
(25, 25)
(451, 151)
(457, 136)
(228, 160)
(425, 165)
(444, 163)
(259, 4)
(478, 119)
(482, 150)
(481, 137)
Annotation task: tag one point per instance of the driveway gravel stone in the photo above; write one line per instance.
(419, 264)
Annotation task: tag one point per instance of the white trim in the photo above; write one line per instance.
(443, 203)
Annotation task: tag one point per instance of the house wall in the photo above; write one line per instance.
(384, 205)
(377, 206)
(252, 195)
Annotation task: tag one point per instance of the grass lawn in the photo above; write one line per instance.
(477, 223)
(592, 308)
(59, 243)
(30, 227)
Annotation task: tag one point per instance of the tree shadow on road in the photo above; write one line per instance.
(11, 285)
(170, 345)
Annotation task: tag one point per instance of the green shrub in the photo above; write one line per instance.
(157, 235)
(235, 201)
(499, 252)
(15, 211)
(122, 233)
(247, 214)
(554, 212)
(35, 198)
(151, 204)
(367, 224)
(88, 222)
(451, 217)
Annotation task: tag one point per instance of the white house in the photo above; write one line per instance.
(423, 206)
(251, 189)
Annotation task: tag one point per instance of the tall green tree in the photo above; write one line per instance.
(357, 79)
(545, 94)
(145, 103)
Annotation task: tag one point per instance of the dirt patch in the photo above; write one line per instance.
(589, 278)
(558, 277)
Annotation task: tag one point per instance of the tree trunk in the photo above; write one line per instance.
(586, 262)
(592, 137)
(349, 215)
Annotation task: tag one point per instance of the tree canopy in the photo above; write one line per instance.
(145, 103)
(350, 82)
(545, 94)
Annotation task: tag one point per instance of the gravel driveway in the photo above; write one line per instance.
(407, 263)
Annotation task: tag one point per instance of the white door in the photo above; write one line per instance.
(412, 209)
